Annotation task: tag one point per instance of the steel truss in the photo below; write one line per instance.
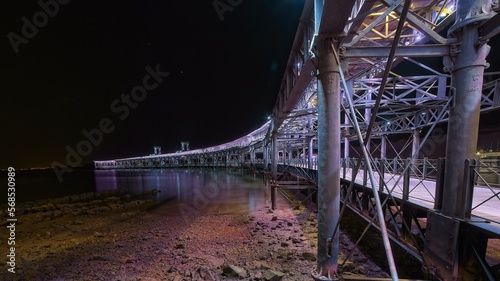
(363, 33)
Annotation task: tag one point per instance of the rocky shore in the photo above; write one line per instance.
(117, 236)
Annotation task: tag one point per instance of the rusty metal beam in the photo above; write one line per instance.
(334, 17)
(490, 28)
(402, 51)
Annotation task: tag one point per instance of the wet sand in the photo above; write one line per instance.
(208, 235)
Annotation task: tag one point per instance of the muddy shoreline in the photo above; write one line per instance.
(117, 236)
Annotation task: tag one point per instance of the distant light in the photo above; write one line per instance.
(268, 117)
(423, 113)
(388, 123)
(419, 37)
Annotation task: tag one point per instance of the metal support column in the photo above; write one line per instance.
(415, 143)
(266, 157)
(310, 154)
(310, 149)
(466, 62)
(346, 148)
(274, 169)
(346, 134)
(383, 148)
(381, 181)
(328, 160)
(414, 151)
(383, 157)
(368, 116)
(405, 207)
(347, 123)
(288, 154)
(467, 68)
(252, 156)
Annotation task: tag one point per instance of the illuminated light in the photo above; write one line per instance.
(388, 123)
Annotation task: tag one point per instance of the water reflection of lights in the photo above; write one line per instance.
(223, 191)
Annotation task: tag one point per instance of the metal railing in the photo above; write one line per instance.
(483, 188)
(406, 178)
(417, 181)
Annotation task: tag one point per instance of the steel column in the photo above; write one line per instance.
(383, 148)
(415, 144)
(252, 156)
(266, 157)
(310, 154)
(329, 95)
(274, 169)
(368, 116)
(310, 150)
(287, 157)
(346, 148)
(347, 123)
(381, 170)
(469, 61)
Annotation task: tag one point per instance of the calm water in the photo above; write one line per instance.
(217, 191)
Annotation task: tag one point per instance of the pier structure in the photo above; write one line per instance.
(359, 118)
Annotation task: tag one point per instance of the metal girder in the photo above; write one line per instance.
(334, 16)
(402, 51)
(490, 28)
(408, 103)
(298, 70)
(374, 23)
(418, 24)
(358, 14)
(297, 78)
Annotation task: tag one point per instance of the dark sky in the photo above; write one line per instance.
(70, 72)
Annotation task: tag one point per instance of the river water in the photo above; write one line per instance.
(207, 190)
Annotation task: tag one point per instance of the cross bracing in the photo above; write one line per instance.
(368, 39)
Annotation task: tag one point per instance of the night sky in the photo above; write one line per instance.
(71, 74)
(212, 76)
